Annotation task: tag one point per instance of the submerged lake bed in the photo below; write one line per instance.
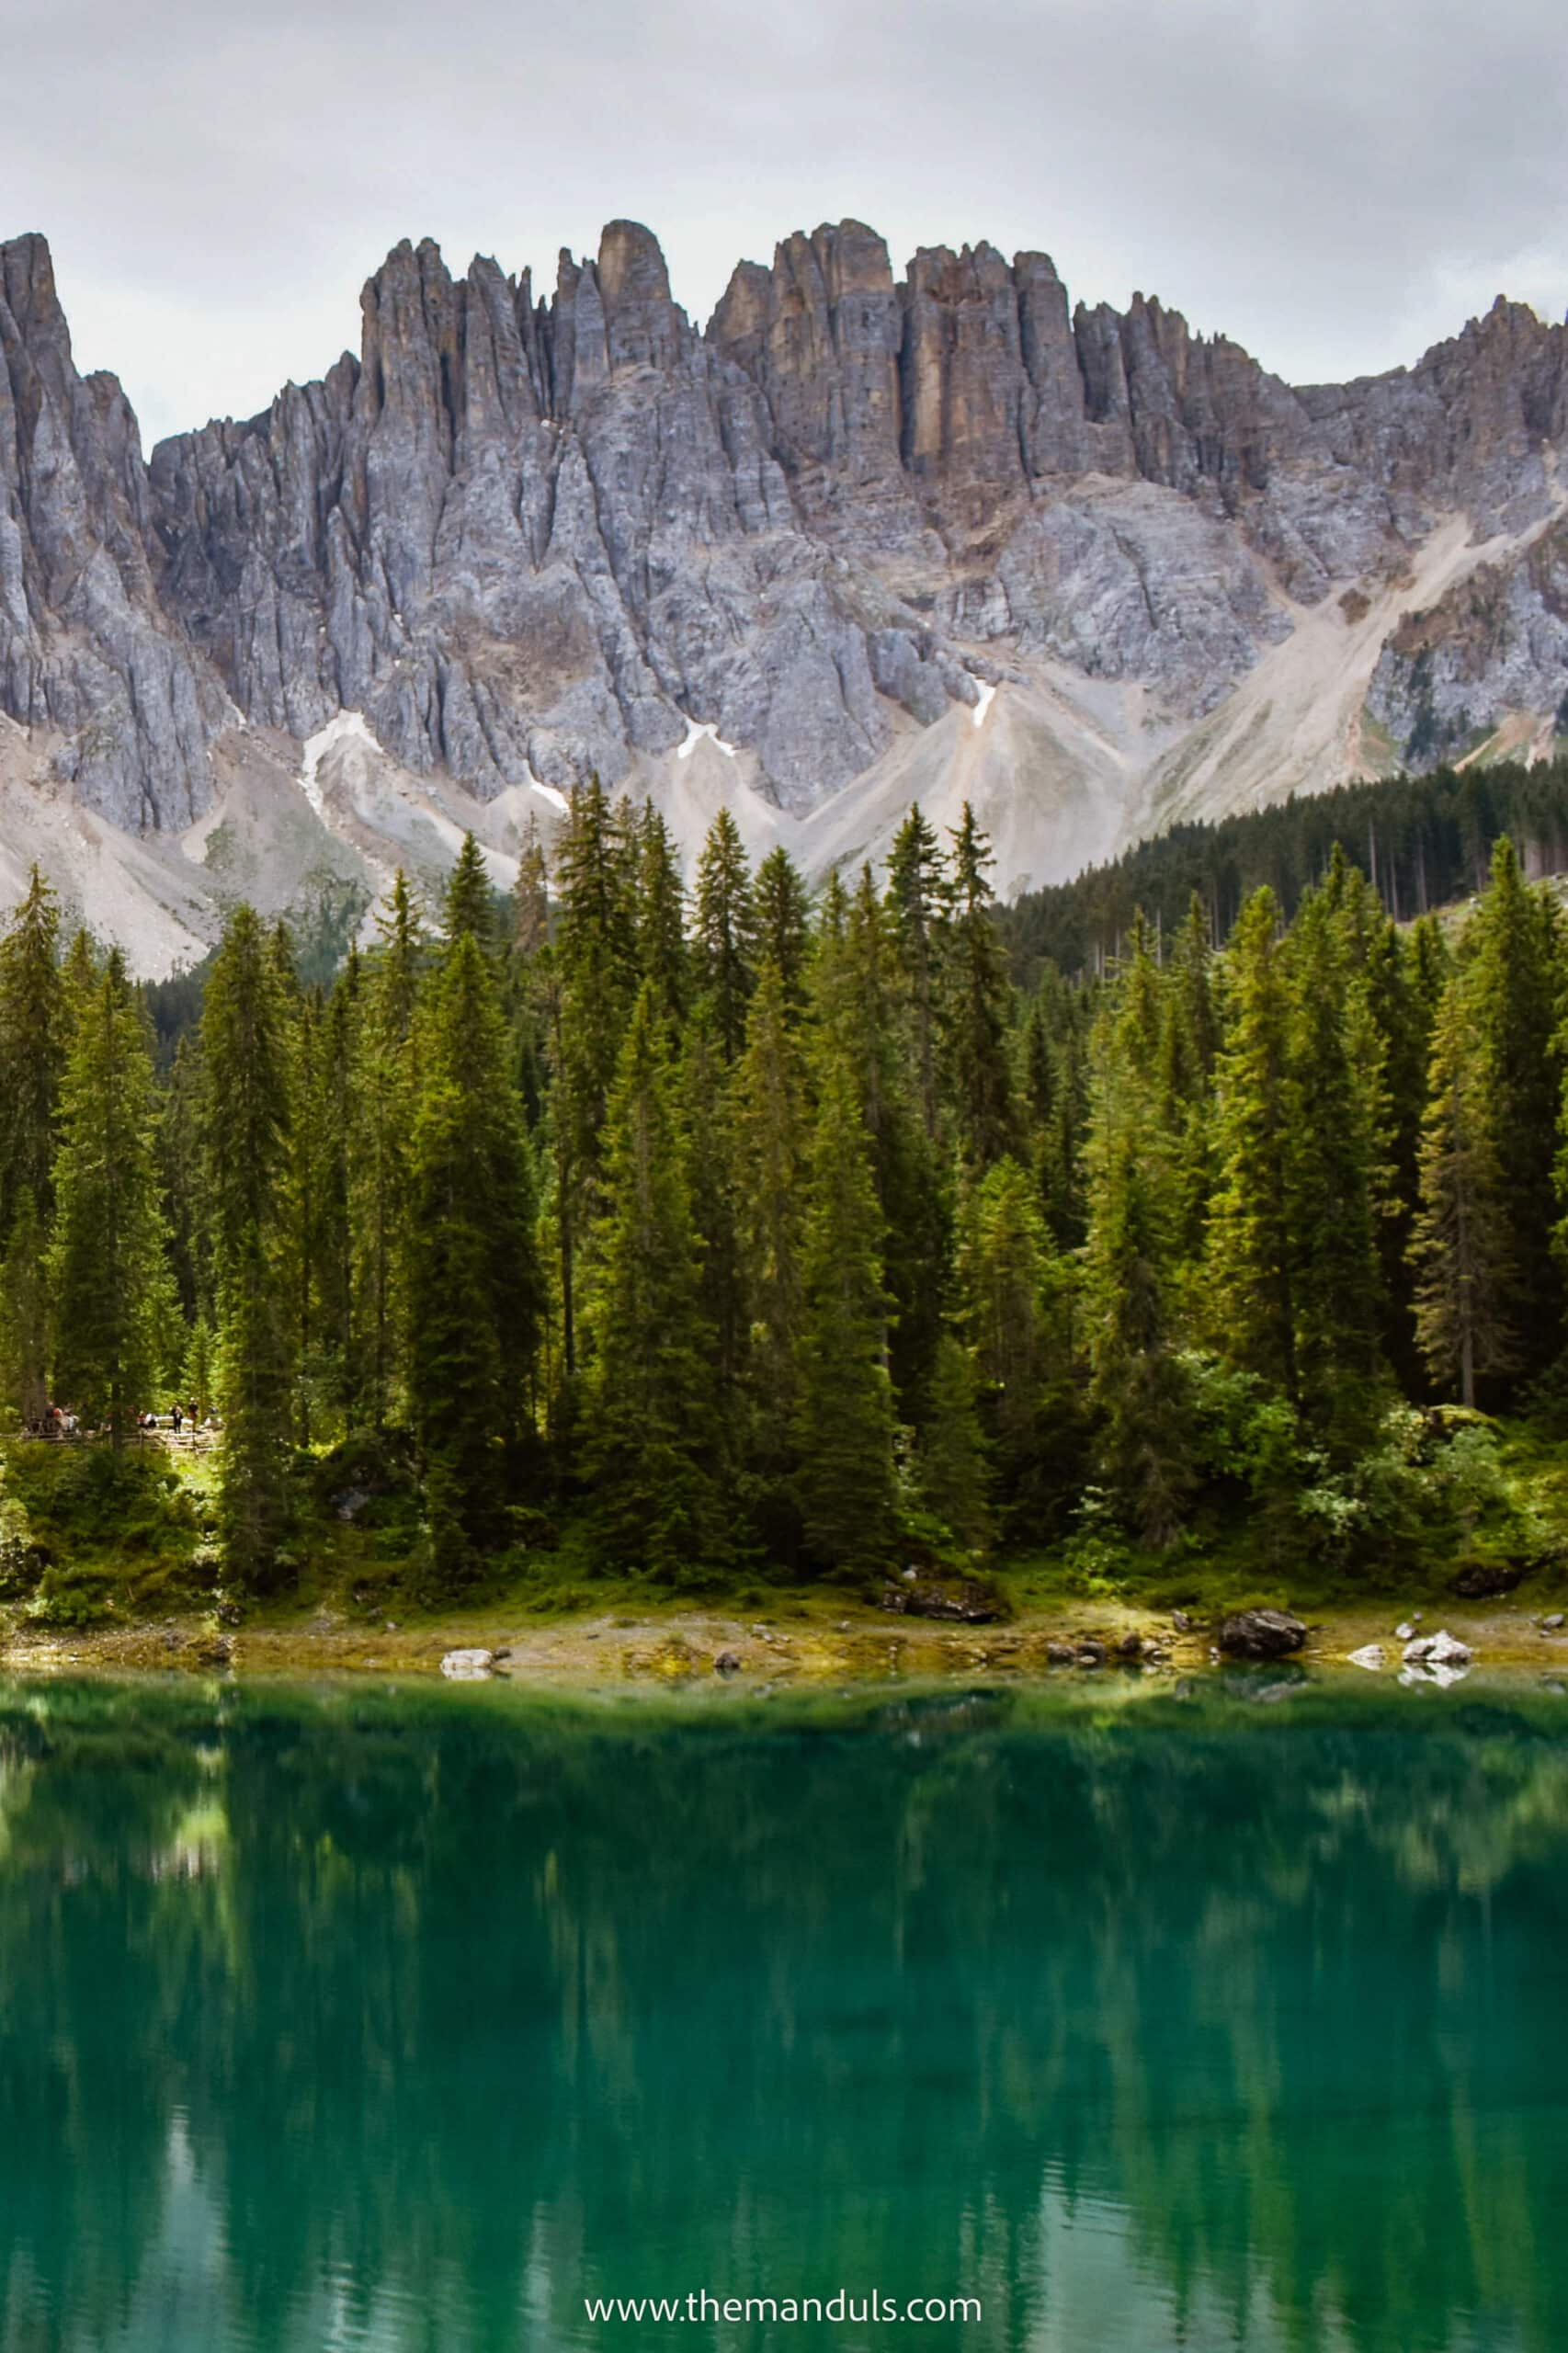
(1221, 2013)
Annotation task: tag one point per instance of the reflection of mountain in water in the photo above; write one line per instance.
(399, 2020)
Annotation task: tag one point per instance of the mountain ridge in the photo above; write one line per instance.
(860, 539)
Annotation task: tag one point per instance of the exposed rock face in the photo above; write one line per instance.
(525, 537)
(85, 650)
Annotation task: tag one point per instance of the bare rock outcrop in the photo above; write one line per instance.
(527, 536)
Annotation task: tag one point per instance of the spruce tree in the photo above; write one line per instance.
(917, 903)
(80, 974)
(108, 1273)
(955, 1477)
(781, 917)
(1014, 1299)
(255, 1499)
(1055, 1105)
(1188, 1048)
(529, 980)
(1465, 1281)
(706, 1109)
(24, 1313)
(180, 1150)
(662, 956)
(246, 1049)
(1138, 1389)
(845, 1416)
(595, 984)
(318, 1212)
(1335, 1100)
(473, 1283)
(530, 897)
(1402, 1019)
(771, 1139)
(978, 1005)
(724, 932)
(1251, 1252)
(34, 1031)
(1514, 965)
(854, 1000)
(34, 1041)
(468, 908)
(380, 1119)
(246, 1112)
(650, 1448)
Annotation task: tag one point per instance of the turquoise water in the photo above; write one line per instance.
(394, 2019)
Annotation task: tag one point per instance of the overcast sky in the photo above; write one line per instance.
(1336, 183)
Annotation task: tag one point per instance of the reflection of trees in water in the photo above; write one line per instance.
(456, 2002)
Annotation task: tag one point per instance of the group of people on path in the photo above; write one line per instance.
(59, 1422)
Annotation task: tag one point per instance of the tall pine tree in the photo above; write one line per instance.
(108, 1270)
(652, 1447)
(845, 1416)
(1466, 1282)
(473, 1283)
(246, 1052)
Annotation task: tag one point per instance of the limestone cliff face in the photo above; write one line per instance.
(87, 653)
(524, 537)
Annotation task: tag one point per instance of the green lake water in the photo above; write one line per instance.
(394, 2019)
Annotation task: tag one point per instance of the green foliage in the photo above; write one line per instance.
(955, 1480)
(84, 1532)
(1422, 842)
(844, 1420)
(724, 932)
(610, 1236)
(473, 1283)
(1461, 1248)
(651, 1441)
(108, 1270)
(978, 1005)
(247, 1045)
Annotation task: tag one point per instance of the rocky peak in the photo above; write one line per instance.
(521, 538)
(642, 326)
(820, 334)
(85, 652)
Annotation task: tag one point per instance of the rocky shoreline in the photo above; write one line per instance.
(681, 1646)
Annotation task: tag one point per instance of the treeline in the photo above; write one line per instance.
(1421, 842)
(727, 1230)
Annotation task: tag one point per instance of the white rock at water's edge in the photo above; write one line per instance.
(468, 1667)
(1439, 1658)
(1420, 1672)
(1370, 1655)
(1441, 1649)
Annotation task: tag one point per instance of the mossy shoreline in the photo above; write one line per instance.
(806, 1639)
(111, 1566)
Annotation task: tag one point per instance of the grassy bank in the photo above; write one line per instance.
(112, 1561)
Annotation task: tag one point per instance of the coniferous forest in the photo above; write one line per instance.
(701, 1232)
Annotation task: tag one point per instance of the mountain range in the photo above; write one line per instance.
(861, 540)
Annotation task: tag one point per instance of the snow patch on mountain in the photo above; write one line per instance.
(349, 726)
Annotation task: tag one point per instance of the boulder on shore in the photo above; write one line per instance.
(1262, 1633)
(468, 1667)
(1441, 1649)
(1371, 1656)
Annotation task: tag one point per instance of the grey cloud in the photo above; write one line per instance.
(1334, 184)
